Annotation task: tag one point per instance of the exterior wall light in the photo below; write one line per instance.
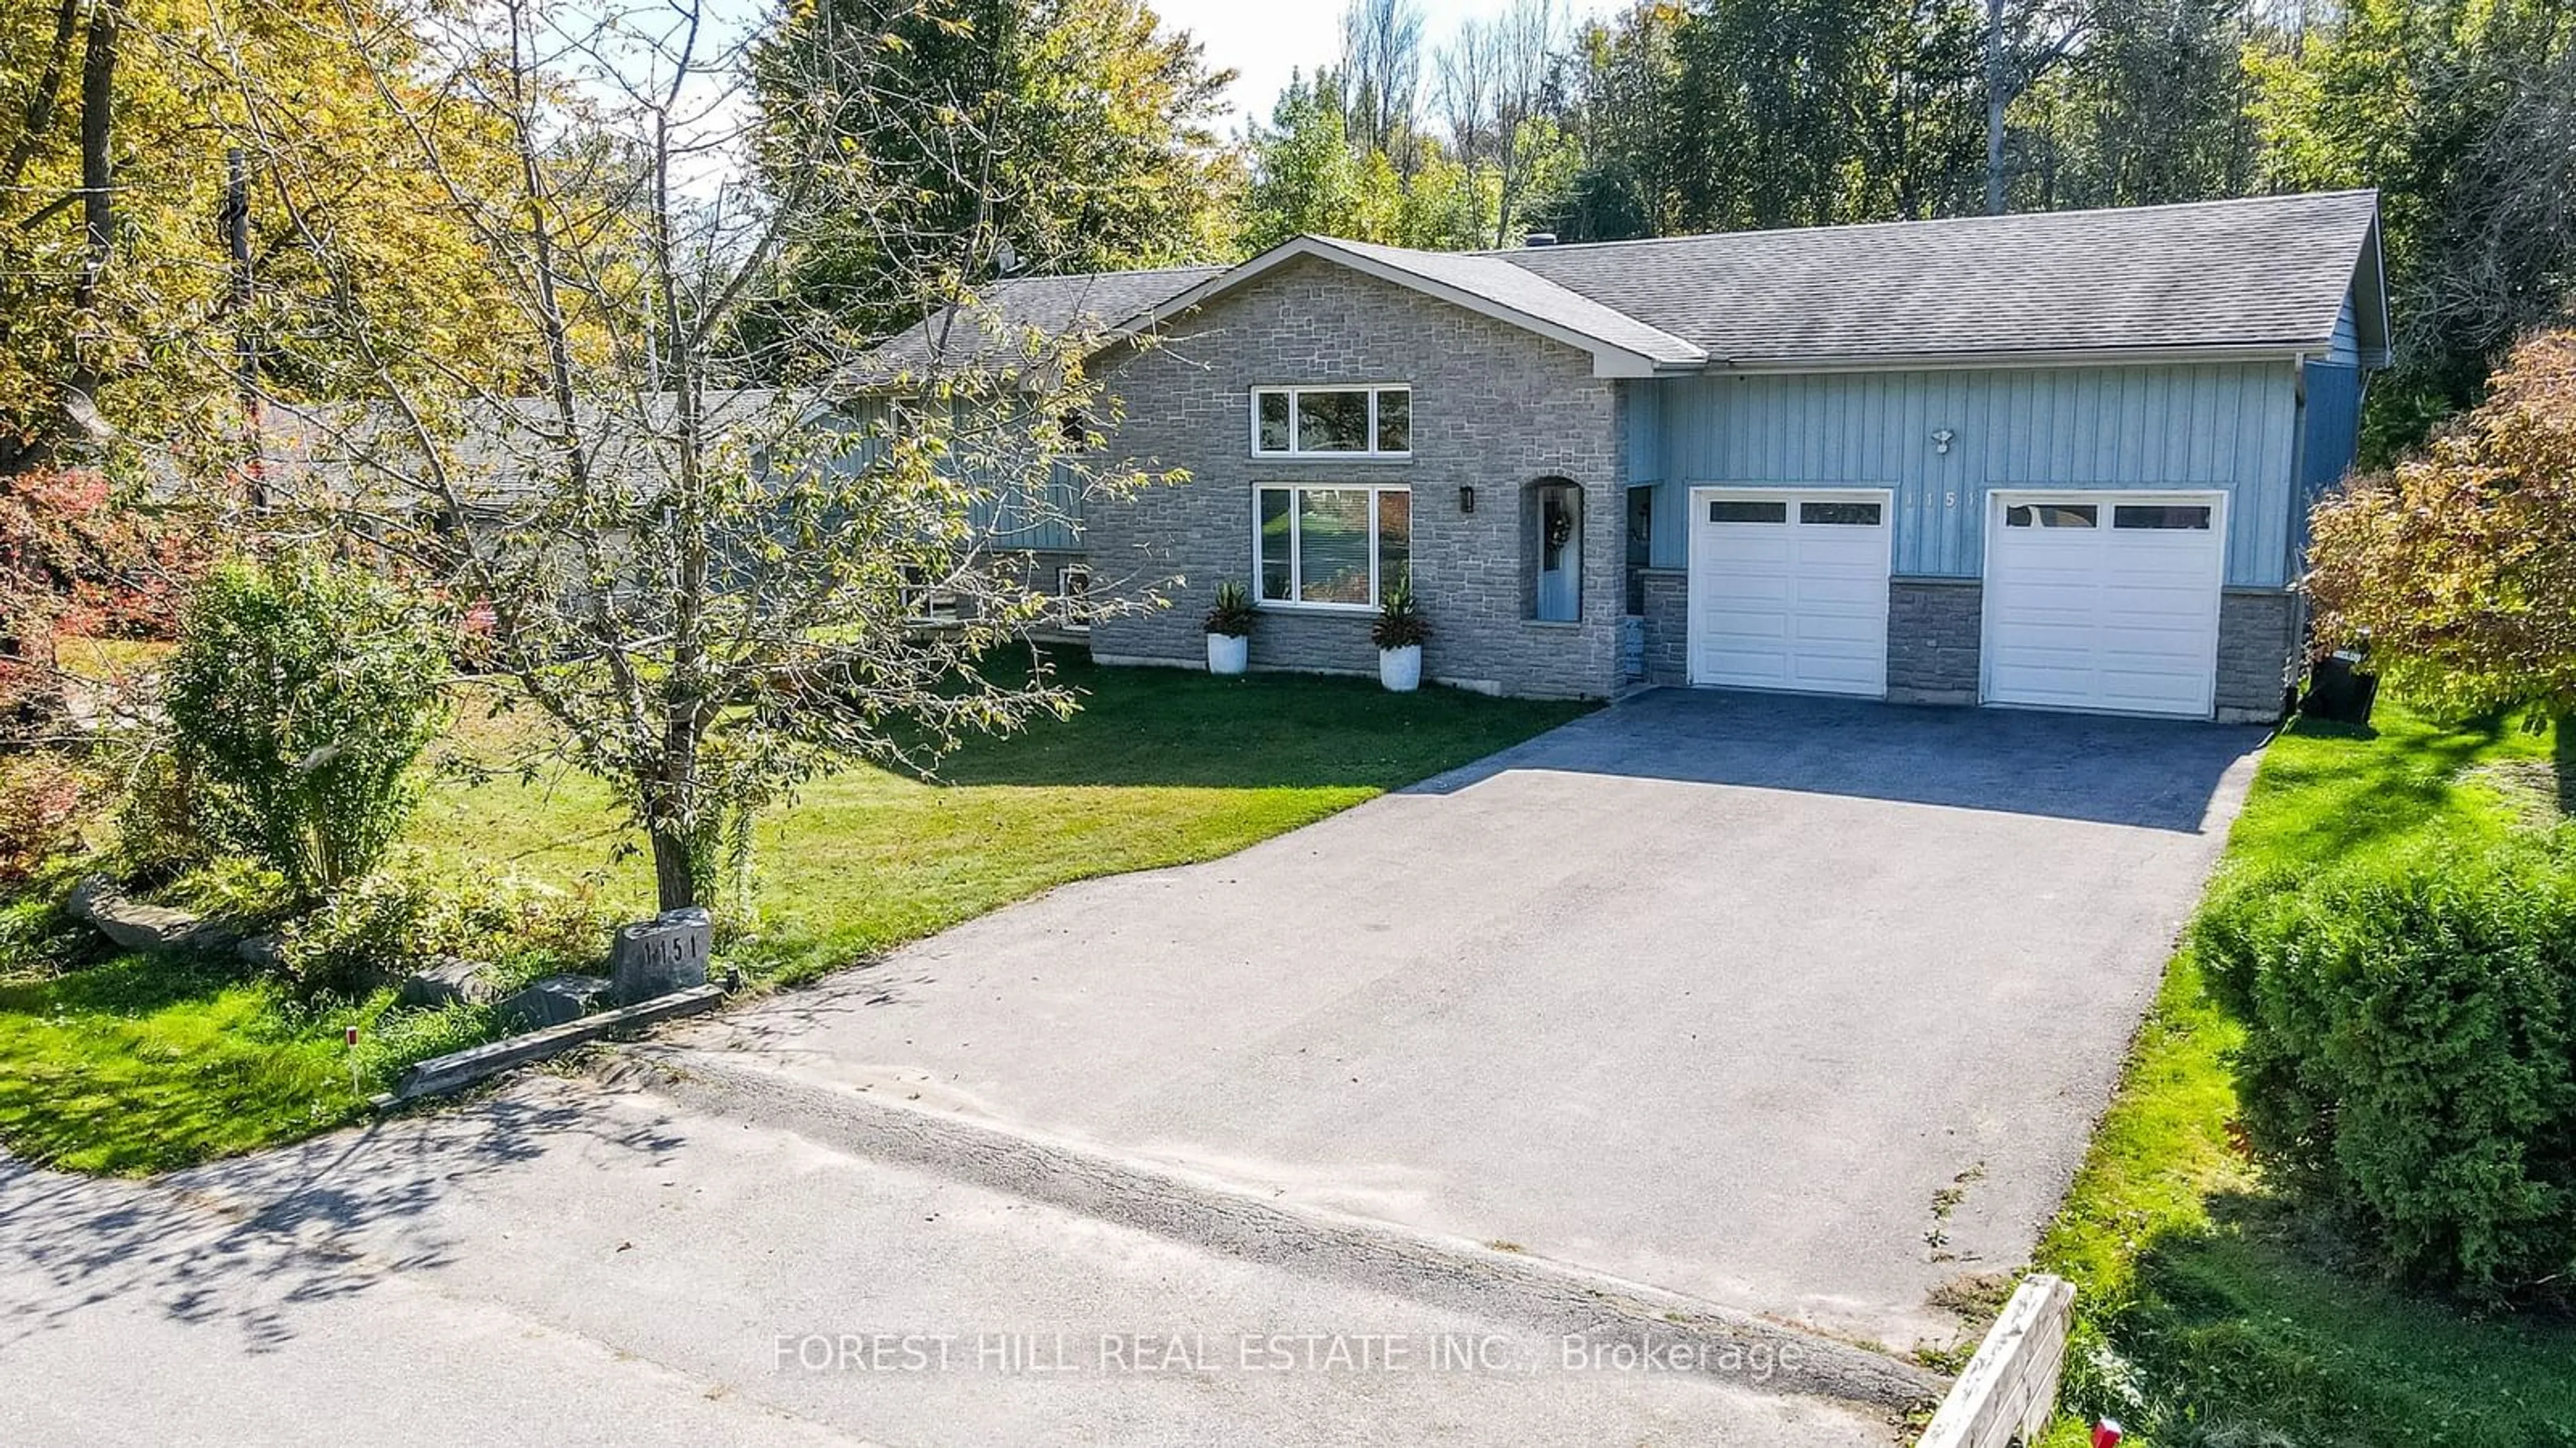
(1467, 498)
(1941, 440)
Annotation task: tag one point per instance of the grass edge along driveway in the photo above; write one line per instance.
(2226, 1308)
(135, 1065)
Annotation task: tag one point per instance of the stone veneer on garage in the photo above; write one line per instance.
(1935, 639)
(2262, 648)
(1495, 408)
(1667, 616)
(1935, 635)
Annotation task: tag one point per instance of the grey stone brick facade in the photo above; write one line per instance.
(1935, 631)
(1667, 614)
(1494, 408)
(2262, 650)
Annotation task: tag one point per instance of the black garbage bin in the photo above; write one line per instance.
(2340, 689)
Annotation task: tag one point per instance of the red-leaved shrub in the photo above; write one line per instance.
(40, 807)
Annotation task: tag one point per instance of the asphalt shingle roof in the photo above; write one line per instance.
(2217, 274)
(1498, 278)
(2259, 272)
(1054, 306)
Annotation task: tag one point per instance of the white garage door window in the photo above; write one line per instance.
(2104, 600)
(1788, 589)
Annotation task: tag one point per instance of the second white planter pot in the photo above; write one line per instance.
(1228, 654)
(1400, 669)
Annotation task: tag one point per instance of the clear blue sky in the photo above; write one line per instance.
(1266, 39)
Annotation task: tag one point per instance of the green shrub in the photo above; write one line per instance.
(165, 825)
(2410, 1054)
(229, 887)
(39, 938)
(380, 929)
(301, 695)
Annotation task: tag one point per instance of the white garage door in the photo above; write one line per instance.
(2104, 601)
(1788, 589)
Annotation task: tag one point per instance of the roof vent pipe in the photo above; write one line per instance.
(1539, 238)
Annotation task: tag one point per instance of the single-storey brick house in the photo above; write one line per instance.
(2057, 460)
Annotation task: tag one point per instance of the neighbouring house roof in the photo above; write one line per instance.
(995, 324)
(2259, 276)
(347, 449)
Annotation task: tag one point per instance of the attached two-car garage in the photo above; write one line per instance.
(2094, 600)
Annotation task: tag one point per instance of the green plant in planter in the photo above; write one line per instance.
(1400, 623)
(1234, 613)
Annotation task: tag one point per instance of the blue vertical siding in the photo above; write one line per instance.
(2346, 346)
(2333, 438)
(2334, 424)
(1008, 518)
(1642, 435)
(1006, 515)
(2223, 426)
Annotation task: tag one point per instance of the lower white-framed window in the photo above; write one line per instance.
(1330, 545)
(1073, 589)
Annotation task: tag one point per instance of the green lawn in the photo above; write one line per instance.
(131, 1066)
(136, 1064)
(2227, 1310)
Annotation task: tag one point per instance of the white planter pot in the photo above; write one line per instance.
(1228, 654)
(1400, 669)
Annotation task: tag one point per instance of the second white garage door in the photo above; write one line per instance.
(1788, 589)
(2104, 600)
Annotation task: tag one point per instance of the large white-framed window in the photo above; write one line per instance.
(1367, 421)
(1329, 545)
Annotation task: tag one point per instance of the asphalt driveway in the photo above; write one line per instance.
(1794, 1005)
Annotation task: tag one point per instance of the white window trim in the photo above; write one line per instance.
(1294, 451)
(2001, 500)
(1792, 494)
(1297, 544)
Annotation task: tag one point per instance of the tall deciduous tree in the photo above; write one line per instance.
(120, 301)
(1382, 73)
(1076, 133)
(2464, 116)
(1823, 112)
(713, 593)
(1528, 44)
(1309, 176)
(1623, 79)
